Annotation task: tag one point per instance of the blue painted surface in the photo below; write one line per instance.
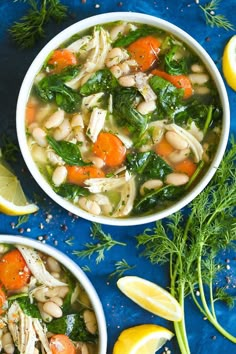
(120, 311)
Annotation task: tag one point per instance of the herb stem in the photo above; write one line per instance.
(208, 120)
(209, 315)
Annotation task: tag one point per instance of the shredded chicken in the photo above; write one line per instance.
(194, 144)
(128, 193)
(96, 123)
(37, 267)
(100, 185)
(141, 82)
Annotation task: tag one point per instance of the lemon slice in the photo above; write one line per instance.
(12, 197)
(229, 62)
(151, 297)
(143, 339)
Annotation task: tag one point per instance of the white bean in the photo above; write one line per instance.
(62, 291)
(124, 67)
(57, 300)
(53, 265)
(7, 343)
(45, 316)
(52, 292)
(198, 79)
(116, 71)
(90, 321)
(39, 136)
(114, 57)
(52, 309)
(178, 155)
(83, 348)
(39, 154)
(77, 121)
(55, 119)
(79, 134)
(89, 206)
(127, 81)
(84, 299)
(43, 112)
(63, 130)
(97, 161)
(41, 295)
(146, 107)
(59, 175)
(56, 275)
(32, 126)
(197, 68)
(177, 179)
(54, 158)
(151, 184)
(202, 90)
(175, 140)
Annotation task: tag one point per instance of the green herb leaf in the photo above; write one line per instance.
(124, 100)
(101, 80)
(73, 326)
(214, 20)
(142, 31)
(105, 243)
(70, 153)
(30, 28)
(120, 268)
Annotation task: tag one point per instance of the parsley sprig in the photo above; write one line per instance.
(30, 27)
(105, 243)
(191, 244)
(213, 19)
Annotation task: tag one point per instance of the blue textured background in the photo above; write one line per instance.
(120, 311)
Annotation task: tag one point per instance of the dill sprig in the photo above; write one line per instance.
(21, 220)
(8, 150)
(30, 27)
(191, 242)
(105, 243)
(120, 268)
(213, 19)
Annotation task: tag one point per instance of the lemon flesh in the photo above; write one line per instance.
(143, 339)
(229, 62)
(151, 297)
(12, 197)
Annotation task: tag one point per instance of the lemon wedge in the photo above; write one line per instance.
(143, 339)
(12, 197)
(151, 297)
(229, 62)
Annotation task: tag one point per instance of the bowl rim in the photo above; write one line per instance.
(76, 271)
(79, 27)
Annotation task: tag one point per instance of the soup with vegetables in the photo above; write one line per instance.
(123, 119)
(43, 308)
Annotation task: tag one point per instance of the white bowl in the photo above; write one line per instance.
(78, 274)
(81, 26)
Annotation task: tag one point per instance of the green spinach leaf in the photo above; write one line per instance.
(70, 191)
(142, 31)
(28, 308)
(157, 198)
(123, 107)
(101, 80)
(69, 152)
(52, 88)
(73, 326)
(148, 164)
(175, 66)
(169, 98)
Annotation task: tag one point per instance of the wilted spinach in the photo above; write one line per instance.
(169, 98)
(142, 31)
(69, 152)
(123, 106)
(148, 164)
(101, 80)
(70, 191)
(52, 88)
